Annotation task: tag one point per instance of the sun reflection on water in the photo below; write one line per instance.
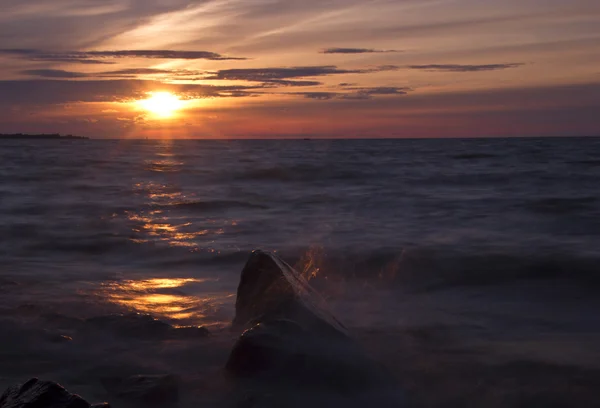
(163, 218)
(148, 296)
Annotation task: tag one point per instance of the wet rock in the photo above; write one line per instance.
(293, 339)
(158, 390)
(271, 289)
(42, 394)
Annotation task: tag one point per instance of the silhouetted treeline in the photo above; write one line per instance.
(39, 136)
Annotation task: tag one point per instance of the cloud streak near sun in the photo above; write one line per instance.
(83, 56)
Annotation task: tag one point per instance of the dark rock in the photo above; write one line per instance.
(271, 289)
(147, 389)
(293, 339)
(42, 394)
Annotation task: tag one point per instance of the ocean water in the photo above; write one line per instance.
(498, 239)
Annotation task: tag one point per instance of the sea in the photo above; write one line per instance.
(489, 248)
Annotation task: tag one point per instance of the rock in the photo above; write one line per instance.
(293, 339)
(270, 289)
(146, 389)
(42, 394)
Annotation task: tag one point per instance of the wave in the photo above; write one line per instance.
(427, 268)
(299, 173)
(561, 205)
(591, 162)
(97, 244)
(213, 205)
(472, 156)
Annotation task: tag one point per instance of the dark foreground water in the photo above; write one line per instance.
(463, 264)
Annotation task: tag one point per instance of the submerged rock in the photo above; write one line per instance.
(43, 394)
(292, 339)
(159, 390)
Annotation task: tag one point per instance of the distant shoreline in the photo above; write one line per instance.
(22, 136)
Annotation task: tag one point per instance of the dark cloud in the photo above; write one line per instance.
(283, 82)
(180, 74)
(354, 51)
(367, 93)
(39, 55)
(321, 96)
(464, 68)
(36, 55)
(271, 74)
(48, 92)
(171, 73)
(357, 93)
(267, 74)
(53, 73)
(162, 54)
(138, 71)
(68, 60)
(61, 91)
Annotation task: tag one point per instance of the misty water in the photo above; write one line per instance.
(468, 267)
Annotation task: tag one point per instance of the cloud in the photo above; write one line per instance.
(139, 71)
(356, 93)
(283, 82)
(275, 74)
(39, 56)
(54, 73)
(367, 93)
(61, 91)
(267, 74)
(69, 60)
(79, 56)
(162, 54)
(354, 51)
(464, 68)
(134, 72)
(321, 96)
(170, 74)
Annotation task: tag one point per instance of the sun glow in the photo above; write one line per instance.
(162, 104)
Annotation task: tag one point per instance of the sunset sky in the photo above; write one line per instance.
(300, 68)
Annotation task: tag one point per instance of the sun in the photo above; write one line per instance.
(162, 104)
